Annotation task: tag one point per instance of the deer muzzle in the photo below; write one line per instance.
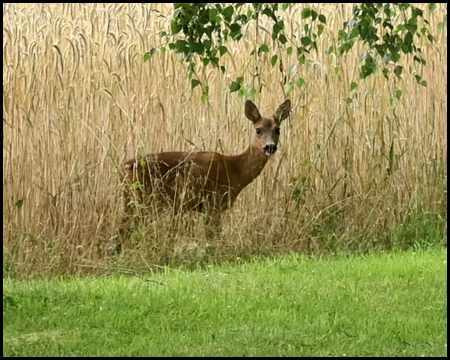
(270, 149)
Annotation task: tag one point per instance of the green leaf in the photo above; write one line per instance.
(175, 27)
(398, 94)
(398, 70)
(289, 50)
(235, 86)
(181, 46)
(322, 19)
(395, 57)
(342, 35)
(302, 59)
(305, 40)
(282, 38)
(235, 31)
(337, 69)
(196, 47)
(288, 88)
(213, 15)
(424, 83)
(320, 29)
(306, 13)
(228, 13)
(223, 50)
(150, 54)
(154, 51)
(274, 60)
(300, 82)
(242, 92)
(136, 185)
(348, 101)
(251, 93)
(368, 68)
(19, 203)
(207, 44)
(194, 83)
(263, 48)
(277, 29)
(353, 86)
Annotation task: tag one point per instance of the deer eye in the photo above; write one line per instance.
(258, 131)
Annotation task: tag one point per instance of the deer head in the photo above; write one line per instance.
(267, 130)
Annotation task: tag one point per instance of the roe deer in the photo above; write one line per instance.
(202, 181)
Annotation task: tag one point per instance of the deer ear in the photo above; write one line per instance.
(251, 111)
(283, 111)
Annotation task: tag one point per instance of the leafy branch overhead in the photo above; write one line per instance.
(388, 31)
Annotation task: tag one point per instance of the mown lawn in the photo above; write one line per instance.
(376, 305)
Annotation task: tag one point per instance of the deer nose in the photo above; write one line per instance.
(270, 149)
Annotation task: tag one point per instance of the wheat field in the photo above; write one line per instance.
(79, 100)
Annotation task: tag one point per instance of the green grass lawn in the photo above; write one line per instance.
(377, 305)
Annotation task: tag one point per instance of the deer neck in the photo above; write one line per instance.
(249, 165)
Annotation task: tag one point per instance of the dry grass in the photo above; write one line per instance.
(78, 100)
